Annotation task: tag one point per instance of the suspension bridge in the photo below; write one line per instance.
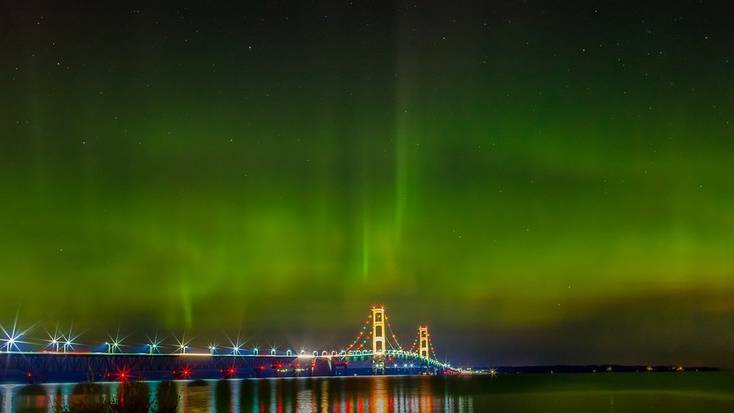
(375, 350)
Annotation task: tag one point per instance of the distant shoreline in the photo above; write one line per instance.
(595, 368)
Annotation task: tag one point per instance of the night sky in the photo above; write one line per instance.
(539, 182)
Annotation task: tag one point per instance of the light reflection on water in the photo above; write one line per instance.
(580, 393)
(351, 394)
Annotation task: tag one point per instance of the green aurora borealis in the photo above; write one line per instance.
(540, 185)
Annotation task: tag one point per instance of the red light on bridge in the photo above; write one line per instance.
(123, 374)
(181, 374)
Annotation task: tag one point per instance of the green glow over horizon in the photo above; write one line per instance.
(493, 183)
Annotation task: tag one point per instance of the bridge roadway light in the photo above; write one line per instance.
(10, 344)
(212, 348)
(182, 345)
(13, 337)
(236, 349)
(154, 344)
(235, 345)
(115, 343)
(114, 347)
(69, 340)
(53, 340)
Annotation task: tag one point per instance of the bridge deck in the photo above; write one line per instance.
(55, 367)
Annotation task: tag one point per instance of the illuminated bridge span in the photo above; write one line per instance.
(375, 350)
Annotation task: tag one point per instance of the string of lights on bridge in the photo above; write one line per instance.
(15, 340)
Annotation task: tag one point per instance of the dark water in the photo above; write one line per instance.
(621, 392)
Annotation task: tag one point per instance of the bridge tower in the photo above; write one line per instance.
(378, 331)
(423, 338)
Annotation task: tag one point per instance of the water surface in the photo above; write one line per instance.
(620, 392)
